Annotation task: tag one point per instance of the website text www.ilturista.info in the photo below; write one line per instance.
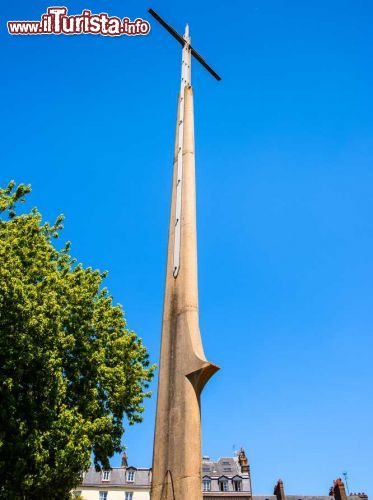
(56, 22)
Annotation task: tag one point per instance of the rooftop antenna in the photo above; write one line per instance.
(186, 81)
(346, 482)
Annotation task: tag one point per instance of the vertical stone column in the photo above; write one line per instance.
(183, 370)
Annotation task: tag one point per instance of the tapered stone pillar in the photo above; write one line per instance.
(183, 369)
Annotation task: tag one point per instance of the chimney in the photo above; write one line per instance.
(279, 490)
(243, 461)
(338, 489)
(124, 460)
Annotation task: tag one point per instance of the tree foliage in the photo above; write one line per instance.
(70, 370)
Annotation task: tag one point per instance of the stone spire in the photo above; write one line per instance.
(183, 368)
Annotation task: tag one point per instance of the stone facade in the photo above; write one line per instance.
(228, 478)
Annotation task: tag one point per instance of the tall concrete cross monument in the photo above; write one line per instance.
(183, 369)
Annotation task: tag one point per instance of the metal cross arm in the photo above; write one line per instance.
(182, 42)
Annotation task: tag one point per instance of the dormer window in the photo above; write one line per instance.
(237, 485)
(106, 475)
(223, 485)
(206, 485)
(130, 478)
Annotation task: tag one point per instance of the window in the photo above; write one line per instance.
(102, 495)
(130, 476)
(226, 463)
(129, 495)
(237, 485)
(106, 475)
(206, 483)
(227, 469)
(223, 485)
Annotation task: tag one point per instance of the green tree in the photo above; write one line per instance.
(70, 370)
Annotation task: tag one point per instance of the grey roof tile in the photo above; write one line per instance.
(117, 477)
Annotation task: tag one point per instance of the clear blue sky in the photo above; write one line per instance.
(284, 180)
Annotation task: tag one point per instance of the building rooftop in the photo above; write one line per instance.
(227, 477)
(118, 476)
(225, 466)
